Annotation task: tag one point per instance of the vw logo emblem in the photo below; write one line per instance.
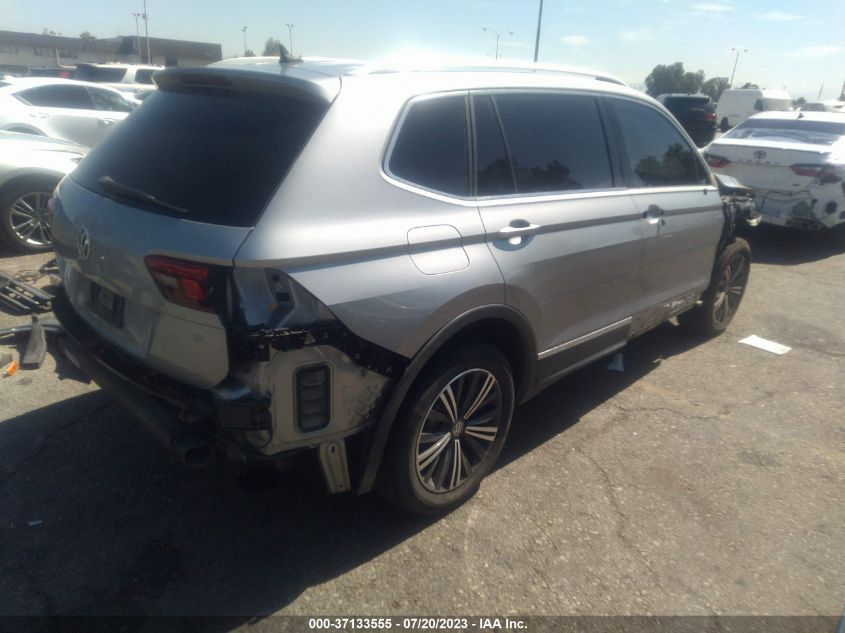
(83, 244)
(759, 154)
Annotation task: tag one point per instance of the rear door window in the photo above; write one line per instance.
(431, 148)
(58, 96)
(656, 154)
(220, 157)
(108, 100)
(556, 141)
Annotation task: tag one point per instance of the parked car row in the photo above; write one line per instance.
(474, 246)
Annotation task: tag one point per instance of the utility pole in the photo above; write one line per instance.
(736, 61)
(147, 31)
(498, 34)
(290, 36)
(243, 30)
(537, 39)
(138, 36)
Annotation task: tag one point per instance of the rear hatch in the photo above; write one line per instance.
(147, 226)
(762, 164)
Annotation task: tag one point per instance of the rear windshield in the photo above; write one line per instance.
(220, 158)
(684, 104)
(99, 74)
(792, 130)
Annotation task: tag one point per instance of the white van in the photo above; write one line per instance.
(737, 105)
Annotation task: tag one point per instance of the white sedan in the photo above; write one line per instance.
(30, 168)
(75, 111)
(794, 162)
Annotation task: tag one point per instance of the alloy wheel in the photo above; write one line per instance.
(29, 219)
(459, 430)
(730, 289)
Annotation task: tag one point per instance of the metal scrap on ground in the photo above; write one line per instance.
(21, 296)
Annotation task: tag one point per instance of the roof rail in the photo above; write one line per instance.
(378, 68)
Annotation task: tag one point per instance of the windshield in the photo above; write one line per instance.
(777, 104)
(686, 103)
(99, 74)
(792, 130)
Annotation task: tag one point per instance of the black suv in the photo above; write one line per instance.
(696, 113)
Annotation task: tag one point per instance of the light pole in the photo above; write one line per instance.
(290, 36)
(147, 31)
(498, 34)
(736, 61)
(138, 36)
(243, 30)
(537, 40)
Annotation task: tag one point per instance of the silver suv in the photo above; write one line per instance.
(376, 266)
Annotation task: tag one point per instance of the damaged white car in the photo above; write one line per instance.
(794, 162)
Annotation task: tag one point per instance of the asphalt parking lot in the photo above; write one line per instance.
(707, 478)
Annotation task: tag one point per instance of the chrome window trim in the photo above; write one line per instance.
(583, 339)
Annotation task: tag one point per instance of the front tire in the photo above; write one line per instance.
(449, 432)
(722, 298)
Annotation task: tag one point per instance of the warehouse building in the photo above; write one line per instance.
(20, 52)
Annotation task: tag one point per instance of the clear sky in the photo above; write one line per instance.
(797, 44)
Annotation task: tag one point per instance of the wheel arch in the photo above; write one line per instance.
(503, 326)
(22, 177)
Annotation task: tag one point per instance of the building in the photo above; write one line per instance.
(21, 51)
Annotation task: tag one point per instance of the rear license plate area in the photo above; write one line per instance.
(106, 304)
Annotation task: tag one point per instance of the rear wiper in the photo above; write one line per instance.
(125, 191)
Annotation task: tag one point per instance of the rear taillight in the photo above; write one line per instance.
(184, 283)
(824, 173)
(716, 161)
(709, 116)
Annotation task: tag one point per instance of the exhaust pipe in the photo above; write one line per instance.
(182, 444)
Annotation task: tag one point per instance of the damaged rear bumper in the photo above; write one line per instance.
(256, 413)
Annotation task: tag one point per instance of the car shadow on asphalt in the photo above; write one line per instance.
(790, 247)
(121, 532)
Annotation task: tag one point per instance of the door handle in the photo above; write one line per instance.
(508, 232)
(654, 214)
(106, 122)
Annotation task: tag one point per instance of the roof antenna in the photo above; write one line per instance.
(285, 57)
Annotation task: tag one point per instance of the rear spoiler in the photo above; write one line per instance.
(319, 89)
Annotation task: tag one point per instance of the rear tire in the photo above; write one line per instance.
(722, 298)
(24, 223)
(724, 126)
(449, 432)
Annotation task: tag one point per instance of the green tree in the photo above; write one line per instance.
(272, 46)
(87, 39)
(249, 53)
(799, 101)
(714, 87)
(748, 84)
(665, 79)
